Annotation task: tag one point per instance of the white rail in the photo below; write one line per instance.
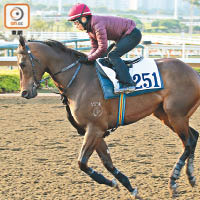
(165, 39)
(183, 51)
(12, 61)
(172, 39)
(8, 61)
(52, 35)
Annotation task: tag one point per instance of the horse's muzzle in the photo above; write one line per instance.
(29, 94)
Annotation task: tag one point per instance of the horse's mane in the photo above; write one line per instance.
(56, 45)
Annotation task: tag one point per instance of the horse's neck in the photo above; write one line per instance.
(83, 78)
(56, 63)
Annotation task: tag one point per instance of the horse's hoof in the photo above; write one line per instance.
(192, 181)
(114, 184)
(134, 193)
(173, 189)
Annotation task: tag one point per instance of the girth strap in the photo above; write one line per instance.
(121, 109)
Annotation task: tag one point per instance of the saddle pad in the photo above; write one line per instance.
(145, 73)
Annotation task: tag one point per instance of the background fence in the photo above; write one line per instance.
(185, 48)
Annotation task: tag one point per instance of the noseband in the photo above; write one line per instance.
(37, 83)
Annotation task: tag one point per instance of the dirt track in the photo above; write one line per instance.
(39, 151)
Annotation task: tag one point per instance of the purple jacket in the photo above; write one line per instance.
(104, 28)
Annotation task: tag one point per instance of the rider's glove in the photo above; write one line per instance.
(84, 59)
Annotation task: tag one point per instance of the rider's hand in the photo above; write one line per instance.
(84, 59)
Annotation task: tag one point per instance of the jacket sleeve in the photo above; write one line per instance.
(94, 45)
(102, 43)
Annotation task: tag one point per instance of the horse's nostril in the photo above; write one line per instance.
(24, 93)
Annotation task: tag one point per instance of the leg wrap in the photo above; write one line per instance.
(99, 178)
(190, 166)
(190, 170)
(192, 141)
(122, 179)
(177, 169)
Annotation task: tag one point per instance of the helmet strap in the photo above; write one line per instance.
(83, 10)
(80, 18)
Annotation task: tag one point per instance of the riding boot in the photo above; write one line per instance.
(122, 74)
(127, 84)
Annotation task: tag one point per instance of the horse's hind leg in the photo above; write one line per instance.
(104, 154)
(180, 126)
(190, 166)
(189, 137)
(160, 114)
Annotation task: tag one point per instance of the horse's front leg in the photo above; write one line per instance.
(92, 137)
(104, 154)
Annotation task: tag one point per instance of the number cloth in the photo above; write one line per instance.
(145, 73)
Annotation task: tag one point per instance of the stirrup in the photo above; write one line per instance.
(126, 90)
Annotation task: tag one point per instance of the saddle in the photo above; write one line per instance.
(144, 72)
(105, 62)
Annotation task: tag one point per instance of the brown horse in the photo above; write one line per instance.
(94, 115)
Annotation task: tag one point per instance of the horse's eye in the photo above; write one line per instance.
(22, 65)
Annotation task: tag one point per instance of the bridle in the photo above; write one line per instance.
(37, 83)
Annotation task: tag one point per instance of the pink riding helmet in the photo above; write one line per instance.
(78, 10)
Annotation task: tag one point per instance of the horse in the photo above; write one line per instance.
(92, 115)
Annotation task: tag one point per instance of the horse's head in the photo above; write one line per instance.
(31, 70)
(34, 58)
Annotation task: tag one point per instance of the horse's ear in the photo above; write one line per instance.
(22, 41)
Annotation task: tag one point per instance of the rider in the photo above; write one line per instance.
(103, 28)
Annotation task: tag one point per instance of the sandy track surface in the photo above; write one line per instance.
(39, 151)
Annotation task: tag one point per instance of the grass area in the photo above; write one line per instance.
(7, 71)
(197, 69)
(10, 81)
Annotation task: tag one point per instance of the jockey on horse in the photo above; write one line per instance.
(103, 28)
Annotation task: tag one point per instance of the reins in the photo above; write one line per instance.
(74, 75)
